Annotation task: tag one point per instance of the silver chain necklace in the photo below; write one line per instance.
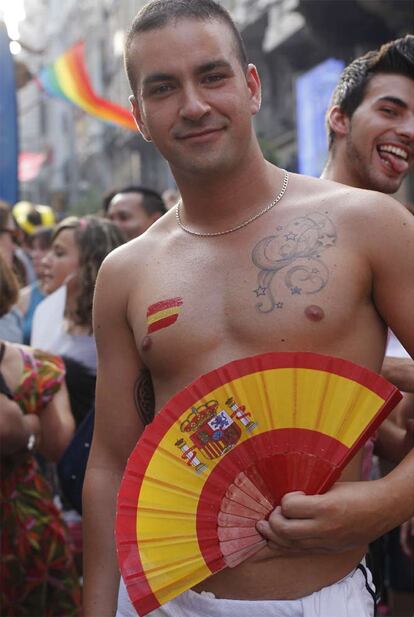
(241, 225)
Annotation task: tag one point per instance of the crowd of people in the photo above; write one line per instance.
(48, 270)
(74, 348)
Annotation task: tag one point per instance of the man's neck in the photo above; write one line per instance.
(221, 201)
(337, 171)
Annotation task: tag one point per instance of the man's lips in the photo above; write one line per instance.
(198, 134)
(395, 156)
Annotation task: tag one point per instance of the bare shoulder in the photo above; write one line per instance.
(130, 259)
(351, 205)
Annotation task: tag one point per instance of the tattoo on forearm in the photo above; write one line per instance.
(295, 252)
(144, 396)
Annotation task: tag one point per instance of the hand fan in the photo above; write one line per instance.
(221, 454)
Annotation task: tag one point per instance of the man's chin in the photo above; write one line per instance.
(382, 182)
(203, 165)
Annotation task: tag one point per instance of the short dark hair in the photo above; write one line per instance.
(152, 201)
(395, 57)
(158, 13)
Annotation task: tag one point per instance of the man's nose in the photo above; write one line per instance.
(193, 105)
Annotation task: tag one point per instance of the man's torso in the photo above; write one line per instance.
(297, 279)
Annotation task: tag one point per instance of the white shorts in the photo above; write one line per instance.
(352, 596)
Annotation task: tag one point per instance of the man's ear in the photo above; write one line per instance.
(338, 121)
(136, 112)
(255, 88)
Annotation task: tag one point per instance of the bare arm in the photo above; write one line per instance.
(15, 427)
(354, 513)
(394, 442)
(400, 372)
(117, 428)
(57, 425)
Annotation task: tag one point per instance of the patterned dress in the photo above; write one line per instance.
(38, 576)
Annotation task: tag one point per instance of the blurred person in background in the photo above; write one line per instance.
(38, 575)
(62, 323)
(11, 322)
(134, 209)
(371, 146)
(29, 218)
(31, 295)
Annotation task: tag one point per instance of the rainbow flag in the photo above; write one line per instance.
(68, 79)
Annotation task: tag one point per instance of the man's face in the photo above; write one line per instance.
(380, 138)
(127, 213)
(194, 99)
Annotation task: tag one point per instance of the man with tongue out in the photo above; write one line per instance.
(370, 126)
(371, 146)
(371, 119)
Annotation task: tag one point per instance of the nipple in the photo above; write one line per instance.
(146, 343)
(314, 312)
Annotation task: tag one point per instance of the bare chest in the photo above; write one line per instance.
(210, 304)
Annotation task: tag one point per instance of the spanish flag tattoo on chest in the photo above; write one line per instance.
(163, 314)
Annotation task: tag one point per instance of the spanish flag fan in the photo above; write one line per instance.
(221, 454)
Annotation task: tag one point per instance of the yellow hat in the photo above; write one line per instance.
(30, 217)
(47, 215)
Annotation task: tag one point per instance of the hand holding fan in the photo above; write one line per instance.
(221, 454)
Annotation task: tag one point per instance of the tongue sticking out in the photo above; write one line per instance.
(398, 165)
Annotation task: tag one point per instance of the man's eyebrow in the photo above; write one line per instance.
(203, 68)
(212, 65)
(393, 99)
(156, 77)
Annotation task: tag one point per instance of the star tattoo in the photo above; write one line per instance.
(291, 236)
(260, 291)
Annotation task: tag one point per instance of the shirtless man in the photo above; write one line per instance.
(194, 97)
(371, 139)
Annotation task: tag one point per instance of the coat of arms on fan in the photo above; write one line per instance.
(213, 431)
(220, 455)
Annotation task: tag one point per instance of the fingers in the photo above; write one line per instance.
(298, 505)
(283, 533)
(299, 524)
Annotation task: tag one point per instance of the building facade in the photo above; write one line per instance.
(85, 157)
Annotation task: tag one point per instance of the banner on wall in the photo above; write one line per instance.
(313, 93)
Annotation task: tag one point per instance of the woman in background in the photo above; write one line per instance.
(38, 570)
(62, 323)
(11, 322)
(31, 295)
